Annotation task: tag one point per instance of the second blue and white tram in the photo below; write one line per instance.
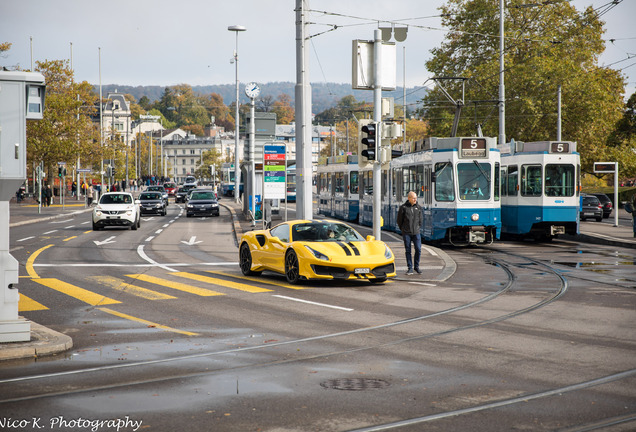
(540, 189)
(338, 187)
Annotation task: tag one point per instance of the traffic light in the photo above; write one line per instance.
(59, 171)
(113, 171)
(367, 139)
(108, 171)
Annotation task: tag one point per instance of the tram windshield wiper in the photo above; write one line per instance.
(485, 174)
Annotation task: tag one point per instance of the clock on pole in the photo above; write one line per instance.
(252, 90)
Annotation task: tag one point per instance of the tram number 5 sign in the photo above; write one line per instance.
(274, 165)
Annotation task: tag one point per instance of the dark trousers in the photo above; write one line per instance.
(416, 239)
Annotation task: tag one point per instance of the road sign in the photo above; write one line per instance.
(274, 166)
(84, 170)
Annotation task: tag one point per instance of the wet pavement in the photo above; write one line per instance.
(435, 264)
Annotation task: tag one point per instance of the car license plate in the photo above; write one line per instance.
(589, 214)
(361, 270)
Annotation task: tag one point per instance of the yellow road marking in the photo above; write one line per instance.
(256, 279)
(120, 285)
(74, 291)
(222, 282)
(26, 304)
(148, 323)
(70, 238)
(31, 260)
(175, 285)
(86, 232)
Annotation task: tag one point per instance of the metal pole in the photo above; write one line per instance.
(304, 144)
(101, 126)
(237, 172)
(559, 113)
(502, 88)
(377, 118)
(253, 166)
(615, 194)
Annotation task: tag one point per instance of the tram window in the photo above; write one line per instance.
(329, 183)
(578, 180)
(497, 176)
(559, 180)
(419, 180)
(395, 175)
(513, 180)
(531, 181)
(428, 193)
(367, 178)
(504, 181)
(406, 181)
(444, 190)
(339, 182)
(353, 182)
(474, 180)
(384, 182)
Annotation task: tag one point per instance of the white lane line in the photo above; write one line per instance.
(150, 238)
(25, 239)
(158, 231)
(142, 254)
(70, 226)
(423, 283)
(313, 303)
(49, 232)
(212, 264)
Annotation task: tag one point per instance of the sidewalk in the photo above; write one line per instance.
(435, 264)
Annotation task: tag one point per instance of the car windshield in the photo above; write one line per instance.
(170, 185)
(591, 200)
(155, 188)
(116, 199)
(149, 196)
(324, 232)
(202, 196)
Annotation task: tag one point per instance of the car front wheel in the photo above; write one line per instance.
(292, 268)
(245, 261)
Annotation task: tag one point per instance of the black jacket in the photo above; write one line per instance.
(409, 218)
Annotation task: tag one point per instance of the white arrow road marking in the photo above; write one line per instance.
(192, 241)
(108, 240)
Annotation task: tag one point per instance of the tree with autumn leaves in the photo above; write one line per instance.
(547, 45)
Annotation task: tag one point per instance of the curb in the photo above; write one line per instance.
(44, 341)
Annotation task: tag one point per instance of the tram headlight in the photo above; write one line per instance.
(474, 217)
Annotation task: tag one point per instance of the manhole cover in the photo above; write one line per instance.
(355, 384)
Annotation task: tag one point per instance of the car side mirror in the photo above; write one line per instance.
(370, 238)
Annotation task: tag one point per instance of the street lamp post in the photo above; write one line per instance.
(236, 29)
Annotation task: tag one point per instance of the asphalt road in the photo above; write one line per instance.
(168, 335)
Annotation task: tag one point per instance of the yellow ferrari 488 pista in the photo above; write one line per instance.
(316, 249)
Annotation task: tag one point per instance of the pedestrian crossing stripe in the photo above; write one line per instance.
(120, 285)
(27, 304)
(222, 282)
(255, 279)
(86, 296)
(175, 285)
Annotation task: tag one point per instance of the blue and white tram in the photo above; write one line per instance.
(457, 182)
(540, 189)
(337, 186)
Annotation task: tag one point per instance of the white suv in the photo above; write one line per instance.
(116, 209)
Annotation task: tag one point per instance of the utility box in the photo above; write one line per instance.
(21, 98)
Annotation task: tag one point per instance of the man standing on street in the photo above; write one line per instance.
(409, 219)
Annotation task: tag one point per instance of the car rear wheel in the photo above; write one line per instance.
(292, 268)
(245, 261)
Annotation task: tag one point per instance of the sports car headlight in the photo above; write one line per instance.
(387, 252)
(319, 255)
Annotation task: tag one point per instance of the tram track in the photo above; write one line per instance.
(511, 280)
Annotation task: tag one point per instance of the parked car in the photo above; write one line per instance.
(606, 203)
(152, 202)
(591, 207)
(161, 189)
(202, 202)
(317, 249)
(170, 188)
(116, 209)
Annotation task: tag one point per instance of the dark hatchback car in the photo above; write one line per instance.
(606, 203)
(152, 202)
(181, 194)
(591, 208)
(202, 202)
(160, 189)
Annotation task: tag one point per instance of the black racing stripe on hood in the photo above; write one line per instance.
(354, 248)
(346, 249)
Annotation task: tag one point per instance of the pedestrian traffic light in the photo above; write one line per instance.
(113, 171)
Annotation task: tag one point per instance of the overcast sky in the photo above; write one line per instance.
(163, 42)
